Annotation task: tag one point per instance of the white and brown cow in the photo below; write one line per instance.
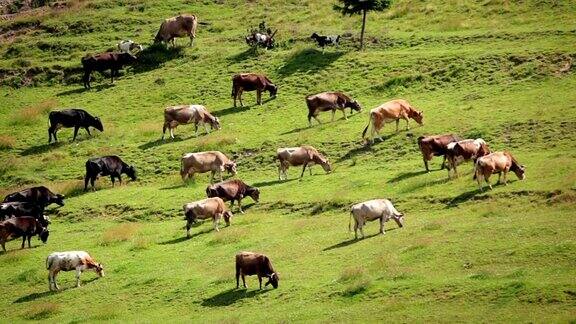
(465, 150)
(497, 162)
(69, 261)
(188, 114)
(370, 210)
(209, 208)
(201, 162)
(435, 145)
(329, 101)
(388, 112)
(304, 155)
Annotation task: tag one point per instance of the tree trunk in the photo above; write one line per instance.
(363, 28)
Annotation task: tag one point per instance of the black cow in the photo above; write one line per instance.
(107, 165)
(326, 40)
(18, 209)
(40, 196)
(105, 61)
(68, 118)
(24, 227)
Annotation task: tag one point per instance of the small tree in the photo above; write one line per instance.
(356, 7)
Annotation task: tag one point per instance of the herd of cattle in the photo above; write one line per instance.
(22, 213)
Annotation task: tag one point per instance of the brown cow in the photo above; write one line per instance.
(201, 162)
(465, 150)
(250, 263)
(500, 162)
(24, 227)
(435, 145)
(231, 190)
(304, 155)
(250, 82)
(213, 208)
(186, 114)
(329, 101)
(179, 26)
(388, 112)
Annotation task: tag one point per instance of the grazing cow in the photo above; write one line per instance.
(326, 40)
(105, 61)
(250, 82)
(388, 112)
(436, 145)
(370, 210)
(250, 263)
(202, 162)
(107, 165)
(186, 114)
(20, 208)
(68, 118)
(129, 46)
(213, 208)
(304, 155)
(231, 190)
(179, 26)
(69, 261)
(25, 227)
(261, 39)
(40, 196)
(329, 101)
(497, 162)
(465, 150)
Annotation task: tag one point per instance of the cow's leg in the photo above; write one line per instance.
(171, 132)
(54, 134)
(237, 276)
(303, 169)
(443, 166)
(344, 113)
(112, 179)
(259, 97)
(239, 206)
(212, 176)
(487, 178)
(88, 131)
(215, 222)
(112, 75)
(29, 237)
(318, 120)
(23, 241)
(260, 281)
(206, 128)
(188, 226)
(310, 119)
(426, 164)
(50, 280)
(355, 228)
(310, 169)
(92, 180)
(505, 180)
(397, 124)
(49, 134)
(78, 273)
(86, 79)
(280, 171)
(382, 225)
(244, 281)
(333, 113)
(119, 176)
(240, 96)
(3, 245)
(76, 128)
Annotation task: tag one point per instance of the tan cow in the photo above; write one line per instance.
(202, 162)
(497, 162)
(252, 82)
(388, 112)
(179, 26)
(465, 150)
(329, 101)
(213, 208)
(187, 114)
(370, 210)
(304, 155)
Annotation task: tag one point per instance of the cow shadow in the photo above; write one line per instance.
(363, 148)
(308, 60)
(97, 88)
(39, 149)
(295, 130)
(271, 182)
(406, 175)
(231, 296)
(155, 55)
(185, 238)
(352, 241)
(160, 142)
(35, 296)
(243, 56)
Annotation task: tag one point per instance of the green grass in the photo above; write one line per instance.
(488, 69)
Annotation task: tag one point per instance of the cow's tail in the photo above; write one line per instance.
(476, 169)
(366, 128)
(49, 261)
(350, 222)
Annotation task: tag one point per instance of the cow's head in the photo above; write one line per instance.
(99, 270)
(399, 219)
(355, 105)
(520, 171)
(230, 166)
(273, 280)
(326, 165)
(44, 233)
(417, 116)
(131, 172)
(273, 89)
(227, 216)
(215, 123)
(314, 36)
(255, 194)
(128, 58)
(97, 123)
(58, 199)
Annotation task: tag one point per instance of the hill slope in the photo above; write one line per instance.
(494, 70)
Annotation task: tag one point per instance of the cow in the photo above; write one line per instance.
(129, 46)
(107, 165)
(232, 190)
(69, 261)
(252, 82)
(186, 114)
(436, 145)
(304, 155)
(465, 150)
(40, 196)
(25, 227)
(261, 39)
(326, 40)
(250, 263)
(388, 112)
(112, 61)
(370, 210)
(22, 208)
(202, 162)
(497, 162)
(329, 101)
(67, 118)
(179, 26)
(209, 208)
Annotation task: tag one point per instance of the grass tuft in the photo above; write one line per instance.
(7, 142)
(28, 115)
(119, 233)
(42, 310)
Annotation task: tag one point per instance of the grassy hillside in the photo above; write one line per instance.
(490, 69)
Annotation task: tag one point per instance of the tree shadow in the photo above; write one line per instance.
(154, 56)
(231, 296)
(352, 241)
(308, 60)
(271, 182)
(406, 175)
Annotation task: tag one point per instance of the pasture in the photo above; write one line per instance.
(492, 69)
